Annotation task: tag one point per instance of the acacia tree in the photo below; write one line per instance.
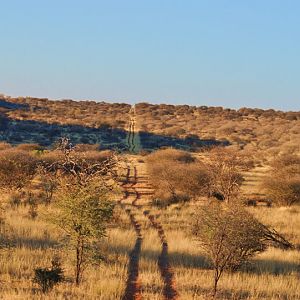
(229, 235)
(224, 167)
(83, 213)
(83, 202)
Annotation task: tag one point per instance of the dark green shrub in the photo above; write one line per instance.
(47, 278)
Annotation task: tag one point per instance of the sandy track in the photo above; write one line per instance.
(133, 285)
(163, 261)
(131, 191)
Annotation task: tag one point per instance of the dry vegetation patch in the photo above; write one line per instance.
(164, 191)
(265, 133)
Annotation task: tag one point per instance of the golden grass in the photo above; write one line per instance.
(272, 275)
(35, 243)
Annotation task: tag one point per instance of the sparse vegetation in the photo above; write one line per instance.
(89, 205)
(176, 176)
(229, 235)
(47, 278)
(283, 184)
(264, 133)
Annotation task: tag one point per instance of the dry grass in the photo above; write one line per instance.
(35, 242)
(272, 275)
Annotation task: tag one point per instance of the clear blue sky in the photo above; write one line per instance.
(232, 53)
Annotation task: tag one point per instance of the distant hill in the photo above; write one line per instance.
(43, 121)
(265, 132)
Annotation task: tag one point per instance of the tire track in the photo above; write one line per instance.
(133, 286)
(166, 271)
(127, 174)
(164, 266)
(133, 134)
(123, 185)
(137, 194)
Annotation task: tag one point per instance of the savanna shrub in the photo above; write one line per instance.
(47, 278)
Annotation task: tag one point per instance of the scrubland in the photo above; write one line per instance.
(156, 196)
(265, 133)
(272, 275)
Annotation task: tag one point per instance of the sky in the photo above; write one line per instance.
(229, 53)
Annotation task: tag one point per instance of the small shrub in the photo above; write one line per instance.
(167, 168)
(15, 200)
(283, 183)
(17, 169)
(32, 212)
(47, 278)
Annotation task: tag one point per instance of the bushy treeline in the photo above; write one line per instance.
(178, 176)
(166, 109)
(42, 121)
(87, 113)
(264, 132)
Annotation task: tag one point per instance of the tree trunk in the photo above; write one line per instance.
(79, 256)
(77, 271)
(216, 279)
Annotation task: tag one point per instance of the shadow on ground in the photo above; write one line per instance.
(151, 141)
(177, 259)
(34, 243)
(46, 134)
(272, 266)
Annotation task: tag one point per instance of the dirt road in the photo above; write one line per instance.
(137, 190)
